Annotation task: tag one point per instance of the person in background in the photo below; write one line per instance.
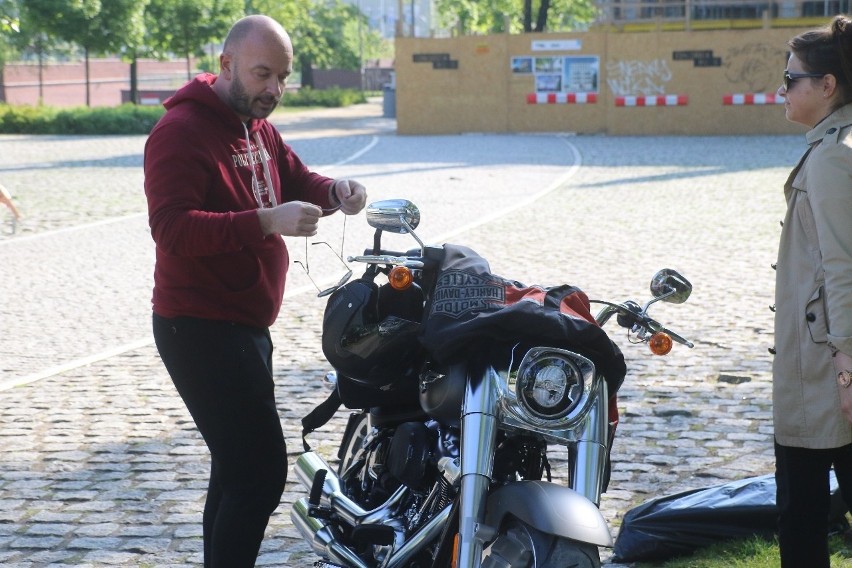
(222, 188)
(6, 199)
(812, 370)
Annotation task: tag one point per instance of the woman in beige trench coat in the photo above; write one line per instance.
(812, 371)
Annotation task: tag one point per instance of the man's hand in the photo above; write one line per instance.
(291, 219)
(351, 194)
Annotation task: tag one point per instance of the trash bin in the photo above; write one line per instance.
(389, 101)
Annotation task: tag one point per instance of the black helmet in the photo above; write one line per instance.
(369, 333)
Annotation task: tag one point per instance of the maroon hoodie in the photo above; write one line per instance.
(213, 261)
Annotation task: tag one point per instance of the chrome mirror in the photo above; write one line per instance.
(670, 286)
(393, 215)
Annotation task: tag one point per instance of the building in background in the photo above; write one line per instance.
(410, 18)
(418, 18)
(695, 15)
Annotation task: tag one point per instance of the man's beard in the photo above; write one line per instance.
(241, 102)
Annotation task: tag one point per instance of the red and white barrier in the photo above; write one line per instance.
(561, 98)
(753, 99)
(649, 101)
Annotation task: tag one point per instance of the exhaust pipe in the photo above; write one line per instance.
(306, 468)
(321, 537)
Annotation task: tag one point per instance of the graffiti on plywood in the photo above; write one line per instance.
(755, 66)
(635, 77)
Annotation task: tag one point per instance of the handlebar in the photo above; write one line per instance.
(383, 252)
(636, 320)
(426, 258)
(630, 315)
(396, 259)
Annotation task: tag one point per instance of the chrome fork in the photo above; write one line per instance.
(587, 471)
(478, 441)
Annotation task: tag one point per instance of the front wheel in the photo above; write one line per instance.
(353, 440)
(522, 546)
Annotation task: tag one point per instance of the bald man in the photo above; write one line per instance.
(222, 189)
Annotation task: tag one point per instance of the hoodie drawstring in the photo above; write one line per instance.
(255, 183)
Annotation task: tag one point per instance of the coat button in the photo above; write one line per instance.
(810, 317)
(772, 350)
(831, 130)
(772, 308)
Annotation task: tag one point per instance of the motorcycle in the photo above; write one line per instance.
(458, 380)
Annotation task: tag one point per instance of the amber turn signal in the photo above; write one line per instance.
(660, 343)
(400, 278)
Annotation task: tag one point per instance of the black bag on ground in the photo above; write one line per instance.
(680, 524)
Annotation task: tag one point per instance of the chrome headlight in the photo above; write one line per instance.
(551, 389)
(549, 385)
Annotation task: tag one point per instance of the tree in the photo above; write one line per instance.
(500, 16)
(325, 33)
(541, 18)
(370, 43)
(34, 39)
(9, 28)
(134, 46)
(185, 27)
(477, 16)
(566, 15)
(97, 26)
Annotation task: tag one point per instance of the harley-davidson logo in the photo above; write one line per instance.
(457, 293)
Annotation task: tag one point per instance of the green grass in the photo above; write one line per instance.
(752, 553)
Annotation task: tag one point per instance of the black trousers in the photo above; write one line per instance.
(804, 501)
(223, 373)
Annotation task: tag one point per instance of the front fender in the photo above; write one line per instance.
(550, 508)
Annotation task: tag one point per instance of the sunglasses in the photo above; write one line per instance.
(790, 78)
(307, 268)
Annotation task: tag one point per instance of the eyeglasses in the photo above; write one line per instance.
(307, 268)
(789, 78)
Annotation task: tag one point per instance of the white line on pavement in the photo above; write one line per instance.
(575, 167)
(140, 343)
(353, 157)
(12, 383)
(71, 229)
(358, 154)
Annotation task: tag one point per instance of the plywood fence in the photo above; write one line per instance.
(657, 83)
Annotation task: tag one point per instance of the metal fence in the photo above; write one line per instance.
(715, 13)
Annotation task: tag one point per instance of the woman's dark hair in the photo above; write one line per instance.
(828, 50)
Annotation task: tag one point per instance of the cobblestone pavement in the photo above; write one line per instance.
(101, 464)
